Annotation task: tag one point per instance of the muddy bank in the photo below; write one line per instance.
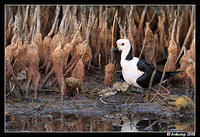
(81, 113)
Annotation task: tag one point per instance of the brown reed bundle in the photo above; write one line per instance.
(148, 43)
(79, 70)
(109, 71)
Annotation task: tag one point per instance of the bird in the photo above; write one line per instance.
(135, 71)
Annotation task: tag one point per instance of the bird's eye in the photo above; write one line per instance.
(122, 44)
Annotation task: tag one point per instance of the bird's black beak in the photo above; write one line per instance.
(114, 50)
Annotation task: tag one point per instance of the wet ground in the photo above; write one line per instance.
(124, 111)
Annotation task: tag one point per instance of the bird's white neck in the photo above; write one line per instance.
(125, 52)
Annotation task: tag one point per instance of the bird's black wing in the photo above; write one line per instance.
(148, 69)
(143, 80)
(143, 66)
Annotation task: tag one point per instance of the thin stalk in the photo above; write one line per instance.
(154, 72)
(55, 20)
(38, 19)
(33, 24)
(186, 40)
(25, 19)
(163, 74)
(113, 29)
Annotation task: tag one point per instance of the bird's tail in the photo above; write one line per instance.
(170, 74)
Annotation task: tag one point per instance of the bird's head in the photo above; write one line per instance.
(123, 44)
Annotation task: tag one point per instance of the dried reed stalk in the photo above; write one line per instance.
(172, 49)
(102, 43)
(79, 70)
(139, 36)
(189, 33)
(8, 31)
(109, 71)
(122, 30)
(113, 30)
(172, 55)
(185, 61)
(162, 34)
(58, 64)
(38, 38)
(84, 22)
(147, 49)
(190, 71)
(32, 53)
(33, 68)
(131, 31)
(47, 40)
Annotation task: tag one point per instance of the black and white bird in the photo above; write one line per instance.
(135, 71)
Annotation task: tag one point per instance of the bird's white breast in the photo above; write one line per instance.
(130, 71)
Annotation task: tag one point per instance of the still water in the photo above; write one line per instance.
(77, 122)
(90, 115)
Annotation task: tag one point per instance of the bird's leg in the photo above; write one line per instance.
(77, 93)
(142, 96)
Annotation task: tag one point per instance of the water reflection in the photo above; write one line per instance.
(76, 122)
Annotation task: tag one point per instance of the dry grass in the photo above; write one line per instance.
(80, 36)
(58, 64)
(172, 56)
(33, 67)
(79, 71)
(109, 71)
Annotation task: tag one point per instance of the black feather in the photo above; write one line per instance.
(129, 56)
(148, 69)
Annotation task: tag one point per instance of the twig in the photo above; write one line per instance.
(33, 25)
(11, 91)
(102, 100)
(150, 126)
(25, 19)
(163, 74)
(47, 78)
(100, 17)
(176, 14)
(140, 28)
(99, 62)
(55, 21)
(113, 29)
(147, 26)
(40, 108)
(61, 27)
(122, 31)
(186, 40)
(150, 84)
(38, 19)
(152, 17)
(89, 30)
(154, 72)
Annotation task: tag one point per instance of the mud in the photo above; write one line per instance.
(124, 111)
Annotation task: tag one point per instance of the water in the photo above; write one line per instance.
(140, 122)
(90, 115)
